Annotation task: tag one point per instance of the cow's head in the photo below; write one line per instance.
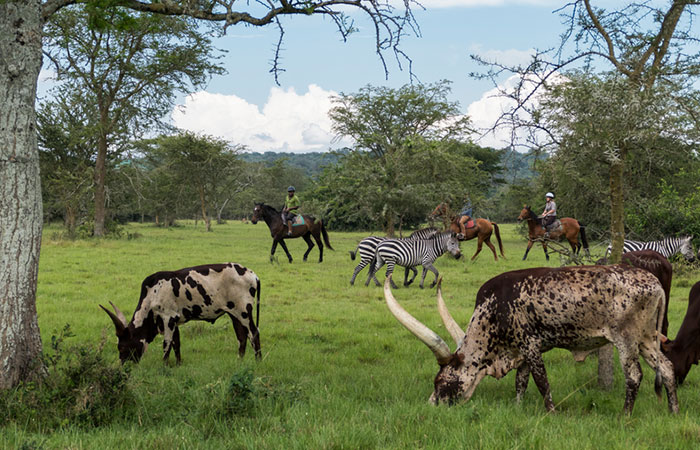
(460, 372)
(130, 346)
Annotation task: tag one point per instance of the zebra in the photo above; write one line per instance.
(413, 253)
(368, 246)
(667, 247)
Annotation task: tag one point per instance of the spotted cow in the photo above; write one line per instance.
(524, 313)
(169, 299)
(684, 350)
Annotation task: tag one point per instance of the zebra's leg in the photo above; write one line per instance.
(359, 267)
(429, 266)
(406, 281)
(389, 270)
(373, 269)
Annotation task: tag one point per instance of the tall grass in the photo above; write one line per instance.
(337, 371)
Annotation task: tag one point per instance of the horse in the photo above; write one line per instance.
(482, 230)
(570, 229)
(278, 230)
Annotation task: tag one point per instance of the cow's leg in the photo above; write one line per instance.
(629, 360)
(527, 250)
(241, 335)
(430, 267)
(310, 245)
(533, 358)
(284, 247)
(664, 374)
(406, 281)
(176, 345)
(167, 342)
(522, 377)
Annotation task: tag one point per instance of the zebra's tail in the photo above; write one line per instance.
(353, 253)
(584, 241)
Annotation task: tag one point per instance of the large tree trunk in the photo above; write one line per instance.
(100, 177)
(20, 191)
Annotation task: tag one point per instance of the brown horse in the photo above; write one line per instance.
(278, 230)
(482, 230)
(569, 229)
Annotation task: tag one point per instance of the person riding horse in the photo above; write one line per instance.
(291, 203)
(549, 215)
(465, 215)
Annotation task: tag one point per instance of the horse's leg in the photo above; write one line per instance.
(488, 243)
(527, 250)
(309, 244)
(317, 237)
(479, 245)
(284, 247)
(273, 249)
(544, 247)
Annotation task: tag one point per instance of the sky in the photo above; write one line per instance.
(245, 106)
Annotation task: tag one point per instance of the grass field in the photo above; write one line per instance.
(338, 371)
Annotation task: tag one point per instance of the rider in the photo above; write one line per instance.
(465, 215)
(549, 215)
(291, 203)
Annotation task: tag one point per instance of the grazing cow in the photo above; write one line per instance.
(684, 350)
(524, 313)
(169, 299)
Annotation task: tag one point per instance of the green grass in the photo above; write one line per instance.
(338, 371)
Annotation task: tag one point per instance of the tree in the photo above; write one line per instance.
(409, 151)
(21, 29)
(643, 43)
(130, 66)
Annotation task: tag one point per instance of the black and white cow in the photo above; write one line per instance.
(522, 314)
(169, 299)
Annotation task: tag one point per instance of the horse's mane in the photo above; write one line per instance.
(533, 216)
(267, 207)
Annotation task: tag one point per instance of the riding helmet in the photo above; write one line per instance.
(549, 194)
(291, 189)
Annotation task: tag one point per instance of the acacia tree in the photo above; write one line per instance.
(21, 29)
(404, 153)
(130, 66)
(644, 43)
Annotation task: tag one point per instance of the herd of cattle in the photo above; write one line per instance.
(518, 315)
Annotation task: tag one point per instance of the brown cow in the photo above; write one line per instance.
(524, 313)
(684, 350)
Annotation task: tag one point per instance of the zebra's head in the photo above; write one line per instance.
(686, 249)
(453, 245)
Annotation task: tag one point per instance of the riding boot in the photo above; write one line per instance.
(289, 228)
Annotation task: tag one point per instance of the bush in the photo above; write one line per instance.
(80, 389)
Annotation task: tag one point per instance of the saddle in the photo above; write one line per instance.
(297, 220)
(554, 227)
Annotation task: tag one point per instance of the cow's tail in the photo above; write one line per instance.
(498, 238)
(584, 241)
(325, 235)
(658, 381)
(257, 306)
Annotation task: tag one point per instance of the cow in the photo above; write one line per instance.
(169, 299)
(524, 313)
(684, 350)
(658, 265)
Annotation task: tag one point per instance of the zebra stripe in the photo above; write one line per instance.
(368, 246)
(667, 247)
(421, 252)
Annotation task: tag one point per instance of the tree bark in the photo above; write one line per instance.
(101, 176)
(617, 208)
(20, 191)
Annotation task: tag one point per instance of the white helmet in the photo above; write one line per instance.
(549, 194)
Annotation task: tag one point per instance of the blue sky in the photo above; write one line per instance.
(246, 107)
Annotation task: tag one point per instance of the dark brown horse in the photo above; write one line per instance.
(482, 230)
(278, 230)
(570, 229)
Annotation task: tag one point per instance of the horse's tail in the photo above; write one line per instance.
(498, 238)
(584, 241)
(325, 237)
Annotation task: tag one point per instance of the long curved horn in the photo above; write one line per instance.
(118, 323)
(120, 314)
(425, 334)
(450, 323)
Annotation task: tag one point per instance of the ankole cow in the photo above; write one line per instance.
(522, 314)
(169, 299)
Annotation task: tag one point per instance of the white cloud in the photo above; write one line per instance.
(288, 121)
